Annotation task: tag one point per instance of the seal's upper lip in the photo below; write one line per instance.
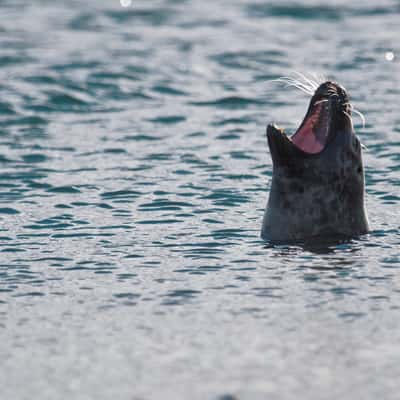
(317, 127)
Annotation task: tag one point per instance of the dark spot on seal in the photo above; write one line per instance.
(296, 187)
(325, 217)
(286, 205)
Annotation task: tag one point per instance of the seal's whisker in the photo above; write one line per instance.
(291, 82)
(310, 82)
(305, 84)
(321, 101)
(302, 88)
(298, 83)
(361, 115)
(305, 81)
(288, 79)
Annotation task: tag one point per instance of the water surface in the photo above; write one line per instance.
(134, 176)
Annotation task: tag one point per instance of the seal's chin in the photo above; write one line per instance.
(312, 135)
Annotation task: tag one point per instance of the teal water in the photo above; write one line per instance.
(134, 172)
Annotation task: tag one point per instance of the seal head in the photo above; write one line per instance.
(317, 185)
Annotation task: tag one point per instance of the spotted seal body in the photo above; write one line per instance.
(317, 188)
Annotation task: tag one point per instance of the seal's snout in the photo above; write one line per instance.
(331, 89)
(339, 100)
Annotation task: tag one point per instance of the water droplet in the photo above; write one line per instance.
(389, 55)
(125, 3)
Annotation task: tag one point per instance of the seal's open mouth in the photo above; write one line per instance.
(312, 135)
(329, 108)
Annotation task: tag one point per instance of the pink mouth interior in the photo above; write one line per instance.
(312, 135)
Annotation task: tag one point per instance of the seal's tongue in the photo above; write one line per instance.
(312, 135)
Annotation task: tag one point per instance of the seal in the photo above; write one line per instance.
(317, 188)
